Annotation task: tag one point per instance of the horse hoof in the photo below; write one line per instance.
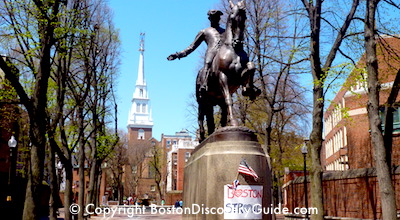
(252, 93)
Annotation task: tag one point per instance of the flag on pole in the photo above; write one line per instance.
(244, 168)
(234, 184)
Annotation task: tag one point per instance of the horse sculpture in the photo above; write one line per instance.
(230, 70)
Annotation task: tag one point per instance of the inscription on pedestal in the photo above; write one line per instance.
(213, 167)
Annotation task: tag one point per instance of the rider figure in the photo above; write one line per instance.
(212, 36)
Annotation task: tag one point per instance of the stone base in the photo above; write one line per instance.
(214, 164)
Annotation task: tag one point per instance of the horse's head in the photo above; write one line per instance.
(237, 19)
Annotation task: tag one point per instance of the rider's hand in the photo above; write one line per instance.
(172, 56)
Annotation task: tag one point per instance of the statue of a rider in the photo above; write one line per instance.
(212, 36)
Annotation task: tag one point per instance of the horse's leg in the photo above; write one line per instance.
(223, 81)
(210, 119)
(224, 113)
(248, 74)
(247, 81)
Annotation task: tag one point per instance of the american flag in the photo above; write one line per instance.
(234, 184)
(244, 168)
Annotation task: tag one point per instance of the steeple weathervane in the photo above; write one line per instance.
(141, 49)
(140, 79)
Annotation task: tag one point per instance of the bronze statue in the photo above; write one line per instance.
(212, 37)
(229, 70)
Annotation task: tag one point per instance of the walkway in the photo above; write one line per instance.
(139, 216)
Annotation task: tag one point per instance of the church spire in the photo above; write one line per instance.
(140, 79)
(140, 113)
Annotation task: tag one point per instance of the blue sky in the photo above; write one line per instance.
(170, 26)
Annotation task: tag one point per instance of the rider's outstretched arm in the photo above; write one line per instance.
(200, 37)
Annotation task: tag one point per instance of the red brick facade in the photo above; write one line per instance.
(145, 187)
(178, 149)
(350, 185)
(347, 142)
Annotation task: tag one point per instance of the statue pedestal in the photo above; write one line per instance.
(213, 165)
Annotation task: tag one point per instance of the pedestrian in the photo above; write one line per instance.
(176, 204)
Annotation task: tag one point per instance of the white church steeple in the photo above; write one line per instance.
(140, 112)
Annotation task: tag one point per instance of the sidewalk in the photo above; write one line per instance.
(139, 216)
(147, 214)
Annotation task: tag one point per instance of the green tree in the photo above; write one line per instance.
(31, 26)
(319, 71)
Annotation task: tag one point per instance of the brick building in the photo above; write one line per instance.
(347, 142)
(178, 148)
(350, 186)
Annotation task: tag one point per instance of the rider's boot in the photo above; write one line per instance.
(203, 86)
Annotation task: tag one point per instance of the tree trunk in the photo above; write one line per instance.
(97, 194)
(93, 183)
(68, 190)
(387, 194)
(81, 196)
(315, 150)
(317, 199)
(35, 174)
(54, 191)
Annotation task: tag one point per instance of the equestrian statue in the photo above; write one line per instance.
(226, 68)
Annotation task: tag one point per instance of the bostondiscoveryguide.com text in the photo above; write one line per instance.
(194, 209)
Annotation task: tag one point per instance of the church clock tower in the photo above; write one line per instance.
(140, 122)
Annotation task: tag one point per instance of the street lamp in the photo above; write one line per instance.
(12, 143)
(304, 151)
(59, 172)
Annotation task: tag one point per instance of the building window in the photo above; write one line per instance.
(175, 159)
(396, 118)
(168, 144)
(151, 172)
(141, 92)
(144, 106)
(137, 107)
(187, 155)
(153, 188)
(134, 169)
(141, 134)
(174, 184)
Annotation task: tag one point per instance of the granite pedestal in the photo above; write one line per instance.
(214, 164)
